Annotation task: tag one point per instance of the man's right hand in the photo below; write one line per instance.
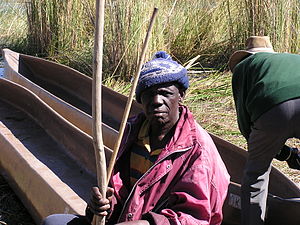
(99, 205)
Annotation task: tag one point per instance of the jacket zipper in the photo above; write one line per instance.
(133, 188)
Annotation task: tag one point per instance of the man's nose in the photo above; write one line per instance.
(157, 99)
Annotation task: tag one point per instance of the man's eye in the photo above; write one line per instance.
(166, 93)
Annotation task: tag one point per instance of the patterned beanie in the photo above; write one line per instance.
(161, 69)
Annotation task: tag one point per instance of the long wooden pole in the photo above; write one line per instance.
(130, 98)
(97, 104)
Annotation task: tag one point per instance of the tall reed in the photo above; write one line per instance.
(62, 30)
(276, 18)
(213, 29)
(13, 25)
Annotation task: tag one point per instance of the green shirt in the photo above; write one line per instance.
(262, 81)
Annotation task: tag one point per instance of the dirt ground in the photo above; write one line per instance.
(12, 211)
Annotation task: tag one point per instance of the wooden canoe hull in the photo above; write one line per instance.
(35, 75)
(34, 163)
(56, 84)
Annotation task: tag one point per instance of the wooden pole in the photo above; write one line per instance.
(130, 98)
(97, 104)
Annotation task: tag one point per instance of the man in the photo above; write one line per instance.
(168, 170)
(266, 90)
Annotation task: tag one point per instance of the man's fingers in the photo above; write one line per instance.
(99, 205)
(100, 202)
(95, 193)
(109, 191)
(100, 210)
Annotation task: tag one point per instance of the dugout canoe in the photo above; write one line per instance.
(59, 98)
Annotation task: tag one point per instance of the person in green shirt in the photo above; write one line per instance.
(266, 91)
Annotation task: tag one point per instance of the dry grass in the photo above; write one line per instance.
(212, 104)
(63, 30)
(13, 27)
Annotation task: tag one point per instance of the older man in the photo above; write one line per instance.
(266, 89)
(168, 170)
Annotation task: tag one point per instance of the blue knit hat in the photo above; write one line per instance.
(161, 69)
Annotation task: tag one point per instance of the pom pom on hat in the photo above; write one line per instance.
(161, 69)
(162, 54)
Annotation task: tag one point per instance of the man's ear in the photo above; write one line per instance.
(182, 95)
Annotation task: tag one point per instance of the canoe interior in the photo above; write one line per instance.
(63, 151)
(56, 79)
(46, 149)
(72, 86)
(40, 169)
(77, 117)
(75, 141)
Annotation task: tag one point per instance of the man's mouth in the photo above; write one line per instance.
(158, 113)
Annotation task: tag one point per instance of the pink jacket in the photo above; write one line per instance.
(187, 185)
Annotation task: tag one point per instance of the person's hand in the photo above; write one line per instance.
(136, 222)
(99, 205)
(294, 159)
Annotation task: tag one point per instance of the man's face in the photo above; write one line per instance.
(161, 104)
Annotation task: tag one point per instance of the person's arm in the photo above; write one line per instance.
(239, 95)
(244, 121)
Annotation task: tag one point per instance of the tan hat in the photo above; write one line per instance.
(254, 44)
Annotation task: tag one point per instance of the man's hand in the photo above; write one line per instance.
(294, 159)
(98, 205)
(137, 222)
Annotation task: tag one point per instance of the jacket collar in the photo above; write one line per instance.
(185, 133)
(184, 136)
